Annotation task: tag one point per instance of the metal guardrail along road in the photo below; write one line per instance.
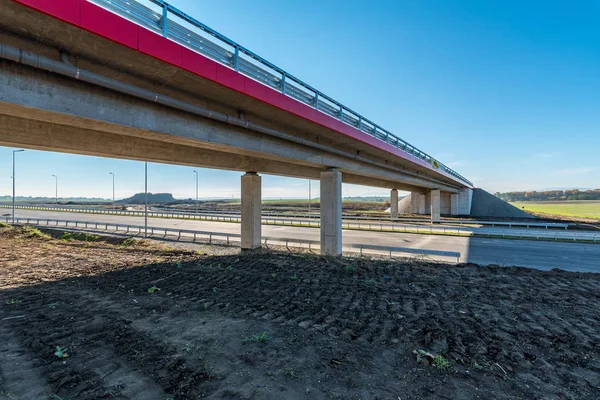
(226, 237)
(168, 21)
(546, 234)
(232, 216)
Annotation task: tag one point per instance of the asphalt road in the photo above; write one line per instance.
(535, 254)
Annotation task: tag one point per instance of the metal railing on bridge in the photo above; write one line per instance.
(168, 21)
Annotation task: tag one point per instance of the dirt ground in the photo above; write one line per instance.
(135, 321)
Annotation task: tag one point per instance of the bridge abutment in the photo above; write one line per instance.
(465, 198)
(251, 211)
(453, 204)
(417, 203)
(331, 212)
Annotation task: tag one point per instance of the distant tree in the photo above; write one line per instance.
(550, 195)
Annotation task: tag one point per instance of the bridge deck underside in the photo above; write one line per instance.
(47, 112)
(36, 32)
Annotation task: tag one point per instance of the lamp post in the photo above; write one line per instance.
(113, 177)
(309, 196)
(196, 191)
(14, 179)
(55, 189)
(146, 199)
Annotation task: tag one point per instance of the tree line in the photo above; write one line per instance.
(550, 195)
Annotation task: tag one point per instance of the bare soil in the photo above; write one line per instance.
(286, 326)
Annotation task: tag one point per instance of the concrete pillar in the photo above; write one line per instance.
(417, 201)
(251, 210)
(453, 204)
(465, 198)
(331, 212)
(394, 204)
(435, 205)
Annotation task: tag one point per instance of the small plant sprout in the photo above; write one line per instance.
(179, 265)
(294, 277)
(13, 302)
(441, 362)
(128, 242)
(351, 268)
(153, 289)
(61, 353)
(262, 338)
(438, 360)
(52, 305)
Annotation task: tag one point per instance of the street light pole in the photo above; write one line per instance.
(196, 191)
(55, 188)
(146, 200)
(309, 196)
(113, 176)
(14, 180)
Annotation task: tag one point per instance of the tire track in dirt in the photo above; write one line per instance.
(19, 377)
(531, 333)
(107, 358)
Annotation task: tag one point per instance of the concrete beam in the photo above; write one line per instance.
(38, 135)
(453, 204)
(251, 211)
(435, 205)
(394, 204)
(41, 96)
(331, 212)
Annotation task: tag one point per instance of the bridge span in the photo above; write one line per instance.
(144, 81)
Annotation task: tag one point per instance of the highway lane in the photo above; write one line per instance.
(536, 254)
(534, 231)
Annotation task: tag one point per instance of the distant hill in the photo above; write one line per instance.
(140, 198)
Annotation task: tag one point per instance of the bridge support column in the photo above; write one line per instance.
(454, 204)
(435, 205)
(251, 211)
(331, 212)
(417, 203)
(465, 198)
(394, 204)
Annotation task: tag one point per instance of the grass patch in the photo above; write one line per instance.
(31, 232)
(575, 208)
(256, 338)
(129, 242)
(84, 237)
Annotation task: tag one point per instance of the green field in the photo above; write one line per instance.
(578, 209)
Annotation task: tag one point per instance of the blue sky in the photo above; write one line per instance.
(505, 92)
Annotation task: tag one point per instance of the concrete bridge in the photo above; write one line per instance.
(130, 80)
